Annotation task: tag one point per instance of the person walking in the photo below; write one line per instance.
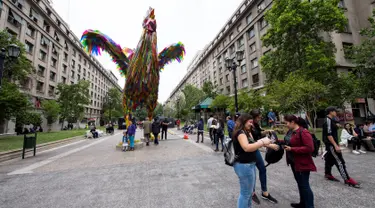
(259, 133)
(131, 134)
(271, 118)
(245, 150)
(209, 127)
(230, 125)
(164, 130)
(200, 130)
(156, 130)
(299, 146)
(333, 155)
(147, 130)
(213, 131)
(219, 135)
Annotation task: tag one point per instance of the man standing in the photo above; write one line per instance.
(147, 130)
(334, 155)
(209, 124)
(178, 122)
(230, 124)
(271, 118)
(200, 130)
(164, 128)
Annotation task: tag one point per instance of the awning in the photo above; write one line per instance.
(205, 104)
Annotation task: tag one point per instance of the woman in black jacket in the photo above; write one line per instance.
(155, 128)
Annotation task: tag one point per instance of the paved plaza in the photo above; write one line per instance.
(177, 173)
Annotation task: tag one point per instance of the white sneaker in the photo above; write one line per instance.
(361, 151)
(356, 152)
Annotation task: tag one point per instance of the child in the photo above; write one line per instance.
(131, 134)
(124, 142)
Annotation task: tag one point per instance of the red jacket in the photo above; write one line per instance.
(302, 149)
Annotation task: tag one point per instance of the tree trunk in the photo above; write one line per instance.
(62, 124)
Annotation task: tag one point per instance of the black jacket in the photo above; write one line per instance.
(155, 127)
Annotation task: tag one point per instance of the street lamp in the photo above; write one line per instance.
(231, 65)
(13, 52)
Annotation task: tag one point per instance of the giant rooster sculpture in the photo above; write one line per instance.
(140, 67)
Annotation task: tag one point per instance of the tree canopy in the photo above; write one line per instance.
(51, 111)
(209, 90)
(112, 106)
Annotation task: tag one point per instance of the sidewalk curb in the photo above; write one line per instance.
(12, 154)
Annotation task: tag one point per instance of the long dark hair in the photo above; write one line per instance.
(297, 120)
(255, 113)
(221, 123)
(240, 124)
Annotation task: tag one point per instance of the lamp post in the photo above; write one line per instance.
(13, 52)
(231, 65)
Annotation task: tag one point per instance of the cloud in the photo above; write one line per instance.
(195, 23)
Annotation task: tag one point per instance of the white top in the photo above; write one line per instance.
(209, 121)
(345, 137)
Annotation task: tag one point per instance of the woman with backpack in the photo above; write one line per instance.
(245, 148)
(219, 135)
(299, 146)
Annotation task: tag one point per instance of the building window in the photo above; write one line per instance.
(243, 69)
(342, 4)
(255, 80)
(52, 76)
(51, 91)
(253, 48)
(232, 49)
(65, 67)
(46, 26)
(34, 15)
(29, 47)
(18, 4)
(221, 81)
(30, 31)
(39, 86)
(54, 51)
(44, 41)
(78, 77)
(254, 63)
(65, 56)
(240, 43)
(48, 12)
(214, 64)
(347, 28)
(261, 6)
(79, 67)
(74, 52)
(227, 77)
(26, 83)
(41, 71)
(228, 90)
(263, 23)
(66, 45)
(42, 55)
(84, 62)
(79, 58)
(14, 19)
(231, 36)
(56, 37)
(239, 28)
(73, 63)
(72, 74)
(63, 80)
(53, 62)
(347, 47)
(249, 18)
(251, 32)
(245, 83)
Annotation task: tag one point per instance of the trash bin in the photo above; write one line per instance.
(28, 143)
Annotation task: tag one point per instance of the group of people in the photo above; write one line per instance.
(361, 135)
(248, 137)
(154, 129)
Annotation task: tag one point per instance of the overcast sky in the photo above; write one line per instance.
(193, 22)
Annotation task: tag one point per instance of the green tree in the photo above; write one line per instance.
(299, 33)
(72, 100)
(209, 90)
(221, 102)
(140, 113)
(15, 69)
(112, 105)
(248, 100)
(299, 94)
(51, 111)
(363, 57)
(193, 96)
(158, 110)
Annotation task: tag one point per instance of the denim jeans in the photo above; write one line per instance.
(262, 171)
(156, 140)
(305, 193)
(247, 175)
(131, 138)
(219, 138)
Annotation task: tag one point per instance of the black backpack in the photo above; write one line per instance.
(316, 143)
(273, 156)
